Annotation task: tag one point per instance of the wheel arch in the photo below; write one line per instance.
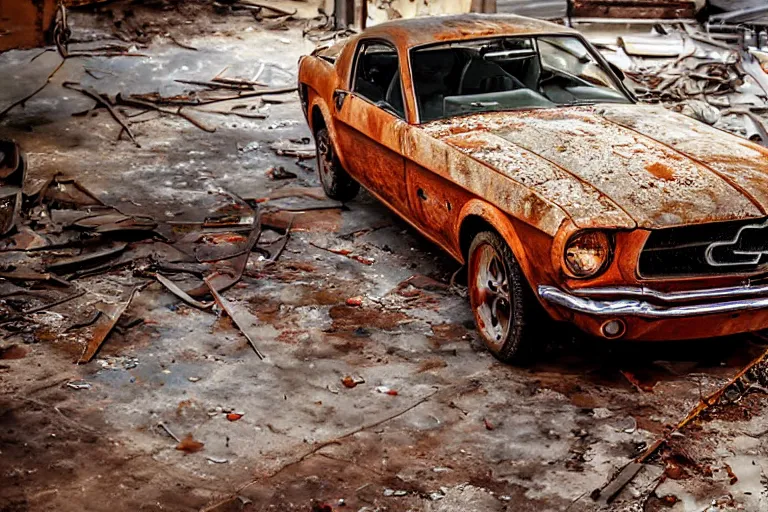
(319, 113)
(477, 216)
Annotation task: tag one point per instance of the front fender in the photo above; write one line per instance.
(531, 247)
(499, 221)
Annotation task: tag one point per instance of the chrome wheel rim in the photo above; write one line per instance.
(491, 298)
(324, 157)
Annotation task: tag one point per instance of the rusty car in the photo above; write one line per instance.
(516, 147)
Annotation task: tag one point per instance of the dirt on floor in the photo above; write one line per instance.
(375, 392)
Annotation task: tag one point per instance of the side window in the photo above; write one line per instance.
(377, 77)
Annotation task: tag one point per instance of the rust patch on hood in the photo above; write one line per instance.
(735, 160)
(603, 169)
(661, 171)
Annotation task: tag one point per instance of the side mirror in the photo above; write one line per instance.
(617, 70)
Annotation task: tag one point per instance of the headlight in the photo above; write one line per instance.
(587, 253)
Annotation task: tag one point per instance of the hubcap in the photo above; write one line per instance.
(491, 297)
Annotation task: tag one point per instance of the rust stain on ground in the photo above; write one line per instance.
(443, 334)
(13, 352)
(348, 318)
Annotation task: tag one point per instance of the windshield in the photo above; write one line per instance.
(508, 73)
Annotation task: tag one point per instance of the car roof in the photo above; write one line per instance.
(412, 32)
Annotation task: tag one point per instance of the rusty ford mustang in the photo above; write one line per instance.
(513, 145)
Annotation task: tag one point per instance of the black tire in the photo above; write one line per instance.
(337, 184)
(496, 294)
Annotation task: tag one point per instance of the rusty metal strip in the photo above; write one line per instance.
(240, 262)
(284, 242)
(104, 326)
(171, 286)
(615, 486)
(703, 405)
(101, 101)
(87, 258)
(225, 305)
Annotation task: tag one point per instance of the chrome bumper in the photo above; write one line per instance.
(634, 301)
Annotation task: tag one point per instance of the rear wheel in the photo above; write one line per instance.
(337, 184)
(503, 306)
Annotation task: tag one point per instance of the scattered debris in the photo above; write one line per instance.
(13, 170)
(227, 308)
(718, 81)
(351, 382)
(294, 149)
(171, 286)
(280, 173)
(79, 384)
(355, 301)
(189, 445)
(169, 432)
(641, 387)
(615, 485)
(107, 105)
(348, 253)
(103, 326)
(386, 391)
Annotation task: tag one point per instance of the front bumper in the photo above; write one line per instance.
(648, 303)
(640, 313)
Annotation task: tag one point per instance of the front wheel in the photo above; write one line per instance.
(503, 306)
(337, 184)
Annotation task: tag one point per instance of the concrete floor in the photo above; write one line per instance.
(463, 432)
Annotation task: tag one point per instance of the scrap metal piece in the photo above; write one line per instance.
(653, 9)
(226, 306)
(10, 201)
(647, 46)
(223, 279)
(101, 101)
(61, 189)
(13, 171)
(741, 15)
(97, 220)
(89, 320)
(613, 488)
(171, 286)
(10, 158)
(169, 432)
(85, 259)
(111, 313)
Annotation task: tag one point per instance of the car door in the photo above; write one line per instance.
(435, 202)
(370, 123)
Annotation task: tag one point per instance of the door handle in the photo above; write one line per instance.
(339, 96)
(422, 195)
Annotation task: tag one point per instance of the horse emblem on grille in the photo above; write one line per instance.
(747, 248)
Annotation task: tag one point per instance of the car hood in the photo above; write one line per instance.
(621, 165)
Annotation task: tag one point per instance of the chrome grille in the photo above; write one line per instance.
(682, 251)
